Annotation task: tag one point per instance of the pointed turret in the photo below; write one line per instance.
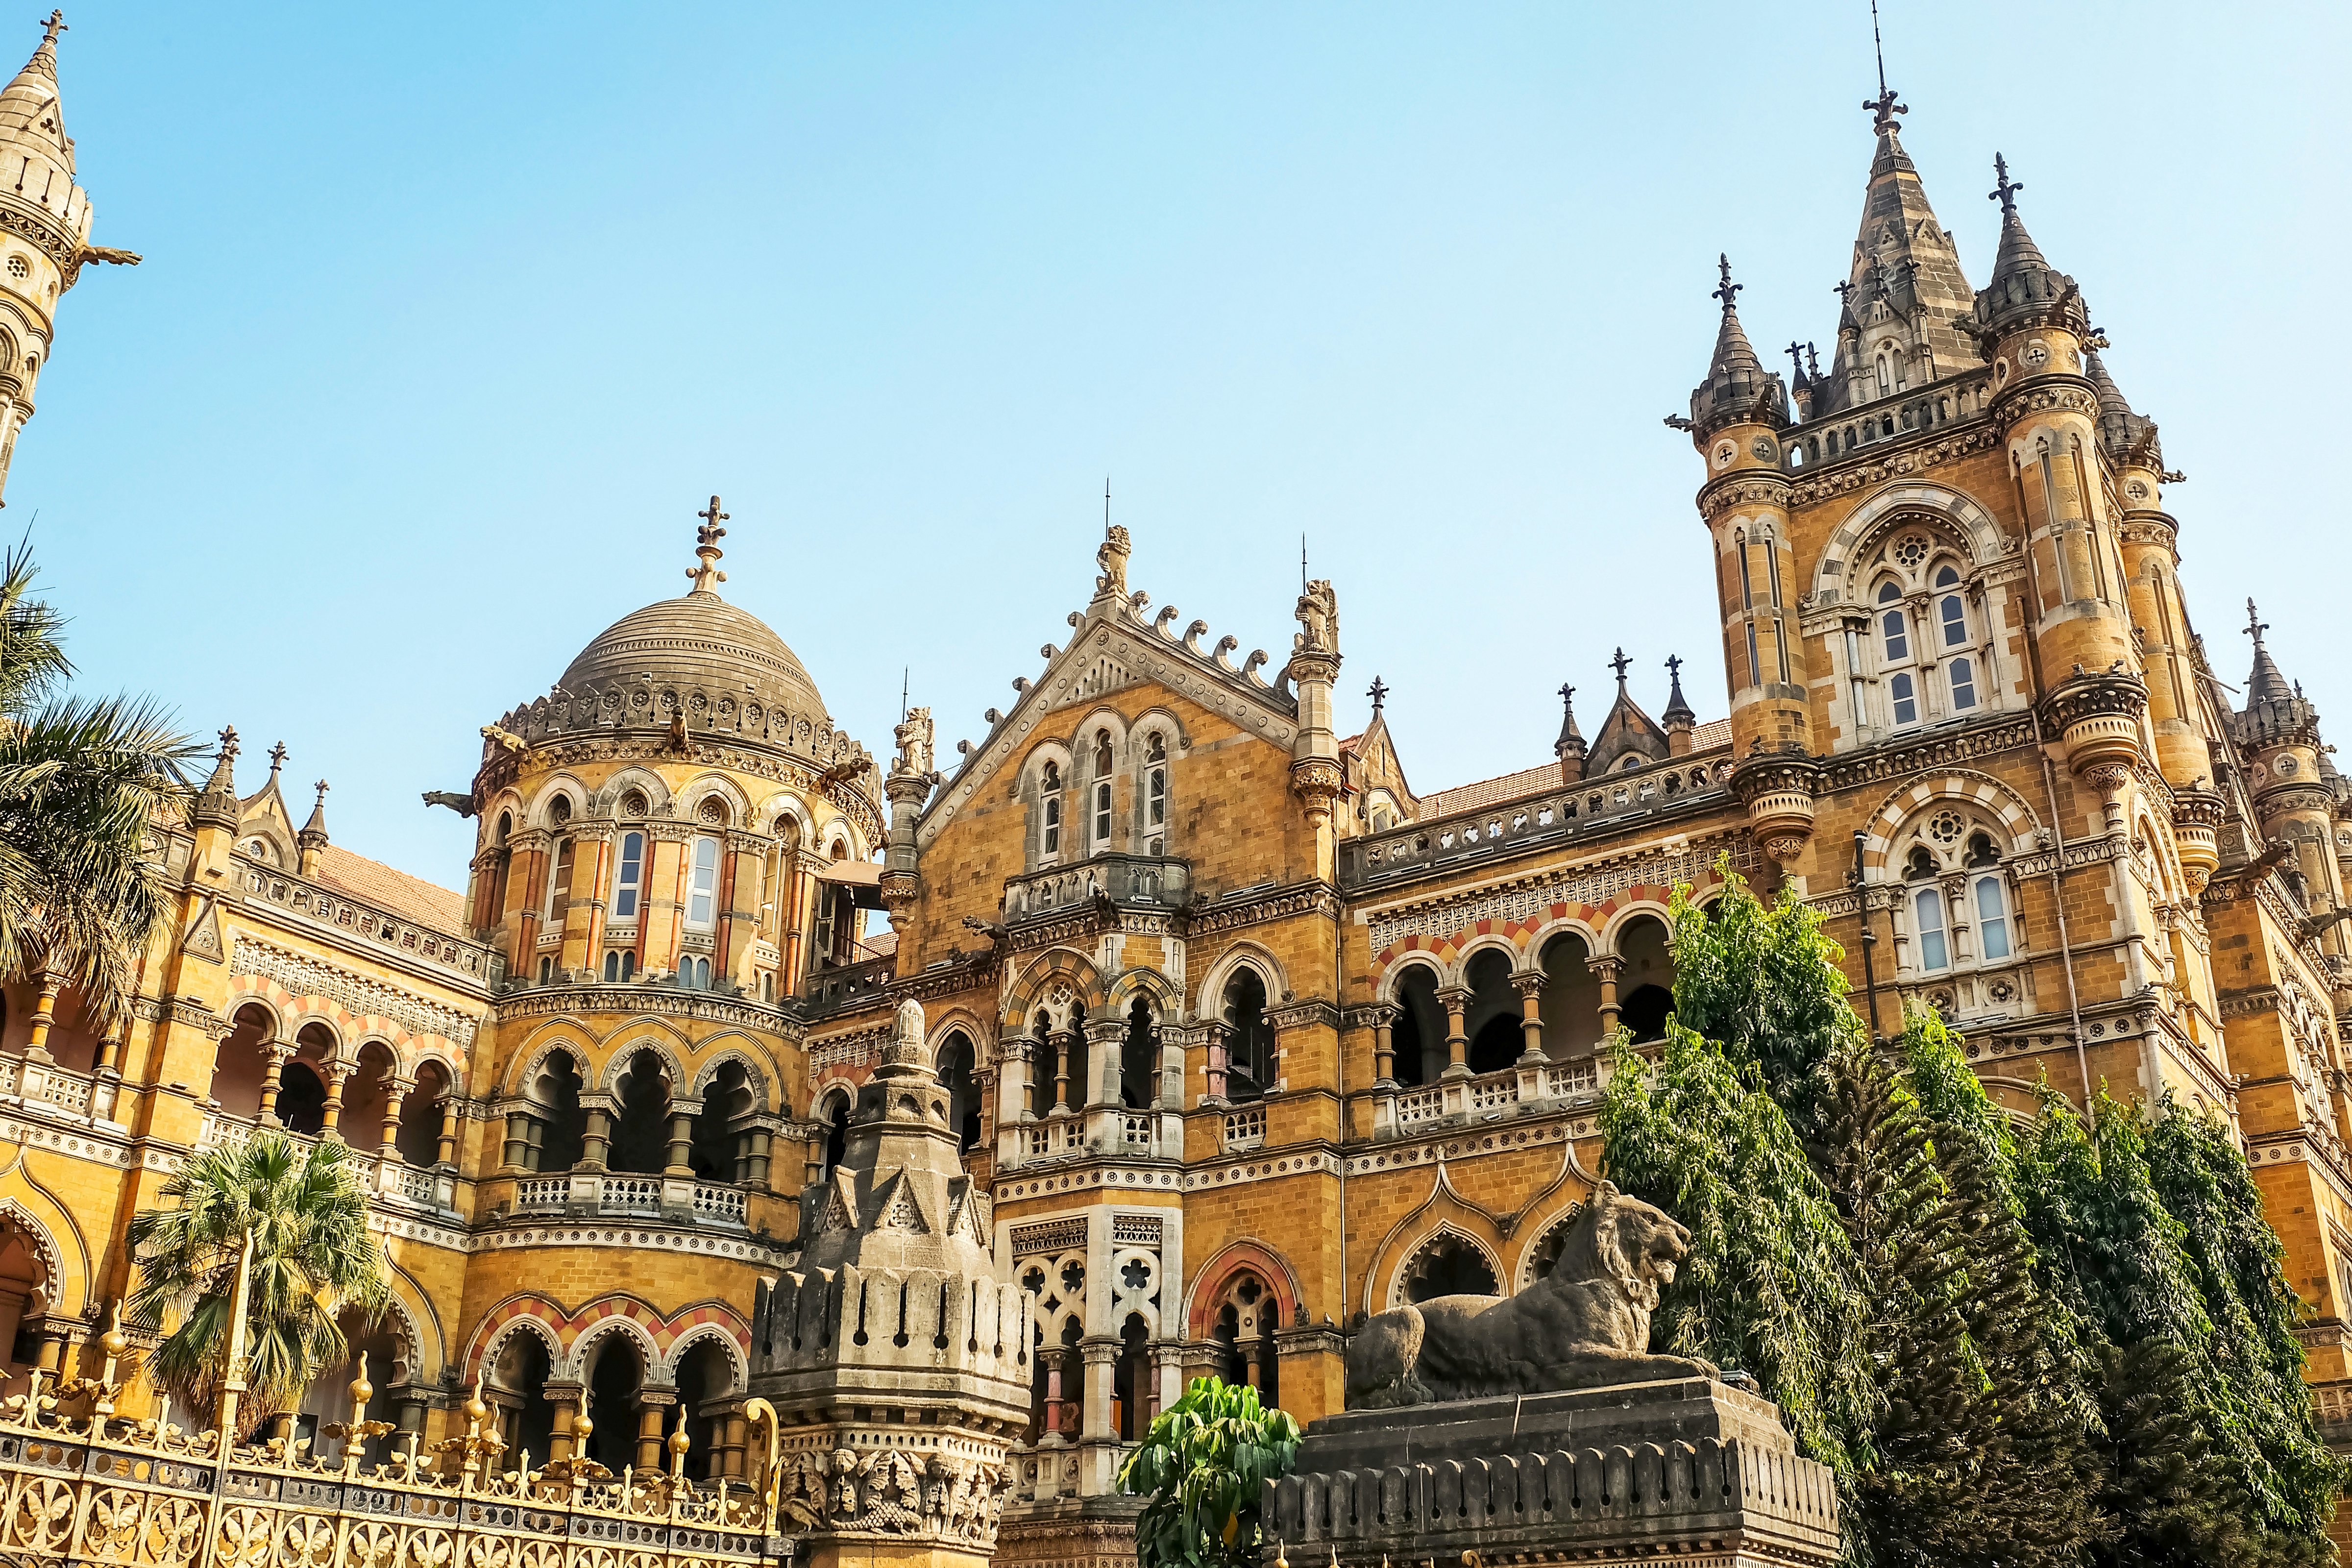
(45, 217)
(2129, 437)
(218, 804)
(1569, 748)
(313, 836)
(2025, 291)
(1904, 319)
(1679, 718)
(1738, 390)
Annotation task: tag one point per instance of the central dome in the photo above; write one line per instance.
(720, 662)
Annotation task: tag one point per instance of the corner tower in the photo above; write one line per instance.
(1737, 415)
(45, 219)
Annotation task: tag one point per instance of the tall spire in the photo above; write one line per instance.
(218, 802)
(2267, 683)
(707, 550)
(1905, 298)
(1738, 387)
(1677, 706)
(2126, 435)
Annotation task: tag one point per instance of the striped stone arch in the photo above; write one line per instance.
(738, 1049)
(544, 1317)
(1058, 967)
(1444, 1230)
(1239, 1257)
(1437, 962)
(616, 1319)
(1985, 542)
(1167, 1002)
(1962, 785)
(737, 1362)
(46, 1255)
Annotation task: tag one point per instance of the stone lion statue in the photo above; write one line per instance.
(1585, 1325)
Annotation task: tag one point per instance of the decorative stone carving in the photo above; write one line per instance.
(1585, 1324)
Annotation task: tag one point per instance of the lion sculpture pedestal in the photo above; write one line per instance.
(1541, 1426)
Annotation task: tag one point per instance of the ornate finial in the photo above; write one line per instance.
(1725, 291)
(1842, 291)
(320, 804)
(1568, 698)
(1621, 664)
(1675, 666)
(2004, 189)
(1796, 353)
(361, 1390)
(706, 547)
(1379, 692)
(277, 755)
(2255, 625)
(53, 26)
(229, 742)
(1813, 361)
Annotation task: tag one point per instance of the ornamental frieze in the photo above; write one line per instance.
(355, 994)
(1889, 764)
(2070, 398)
(1934, 454)
(1748, 490)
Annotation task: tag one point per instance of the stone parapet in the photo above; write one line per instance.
(1656, 1471)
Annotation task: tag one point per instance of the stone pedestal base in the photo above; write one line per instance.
(1074, 1532)
(1637, 1473)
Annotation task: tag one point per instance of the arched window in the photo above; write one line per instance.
(1102, 815)
(1249, 1042)
(1928, 925)
(1894, 651)
(1952, 615)
(1447, 1265)
(956, 1061)
(1103, 762)
(559, 884)
(836, 1116)
(1885, 374)
(1246, 1318)
(629, 878)
(1138, 1057)
(1989, 891)
(1049, 785)
(702, 891)
(1155, 796)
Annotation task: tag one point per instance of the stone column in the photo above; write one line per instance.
(395, 1095)
(596, 1137)
(336, 1072)
(448, 1151)
(1097, 1356)
(516, 1153)
(1217, 1033)
(732, 1428)
(565, 1397)
(1531, 990)
(409, 1410)
(277, 1053)
(1013, 1094)
(1108, 1061)
(1383, 1045)
(755, 1164)
(45, 1009)
(651, 1402)
(681, 1143)
(1063, 1046)
(1455, 999)
(1605, 968)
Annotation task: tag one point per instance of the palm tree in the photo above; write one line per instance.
(83, 784)
(312, 1260)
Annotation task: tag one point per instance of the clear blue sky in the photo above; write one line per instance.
(452, 317)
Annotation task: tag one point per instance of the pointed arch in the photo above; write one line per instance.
(1843, 559)
(1046, 976)
(1246, 1255)
(1963, 786)
(1240, 953)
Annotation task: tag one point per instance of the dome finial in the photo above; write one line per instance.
(706, 547)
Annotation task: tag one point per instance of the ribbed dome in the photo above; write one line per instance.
(698, 641)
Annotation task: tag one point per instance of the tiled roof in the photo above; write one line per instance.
(1535, 780)
(409, 897)
(1490, 791)
(883, 944)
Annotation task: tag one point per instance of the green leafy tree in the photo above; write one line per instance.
(1978, 1445)
(83, 782)
(1202, 1468)
(1762, 981)
(1770, 1286)
(2208, 1454)
(312, 1260)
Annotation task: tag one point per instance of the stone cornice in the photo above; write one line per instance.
(734, 754)
(1736, 490)
(2047, 394)
(1925, 451)
(637, 1001)
(1890, 762)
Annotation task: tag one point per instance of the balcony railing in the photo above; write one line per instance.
(1524, 1088)
(390, 1178)
(48, 1084)
(1152, 882)
(471, 960)
(1549, 817)
(1244, 1129)
(1103, 1129)
(632, 1197)
(830, 988)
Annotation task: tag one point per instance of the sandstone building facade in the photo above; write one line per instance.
(1239, 1035)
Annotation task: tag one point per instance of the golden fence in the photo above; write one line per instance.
(98, 1489)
